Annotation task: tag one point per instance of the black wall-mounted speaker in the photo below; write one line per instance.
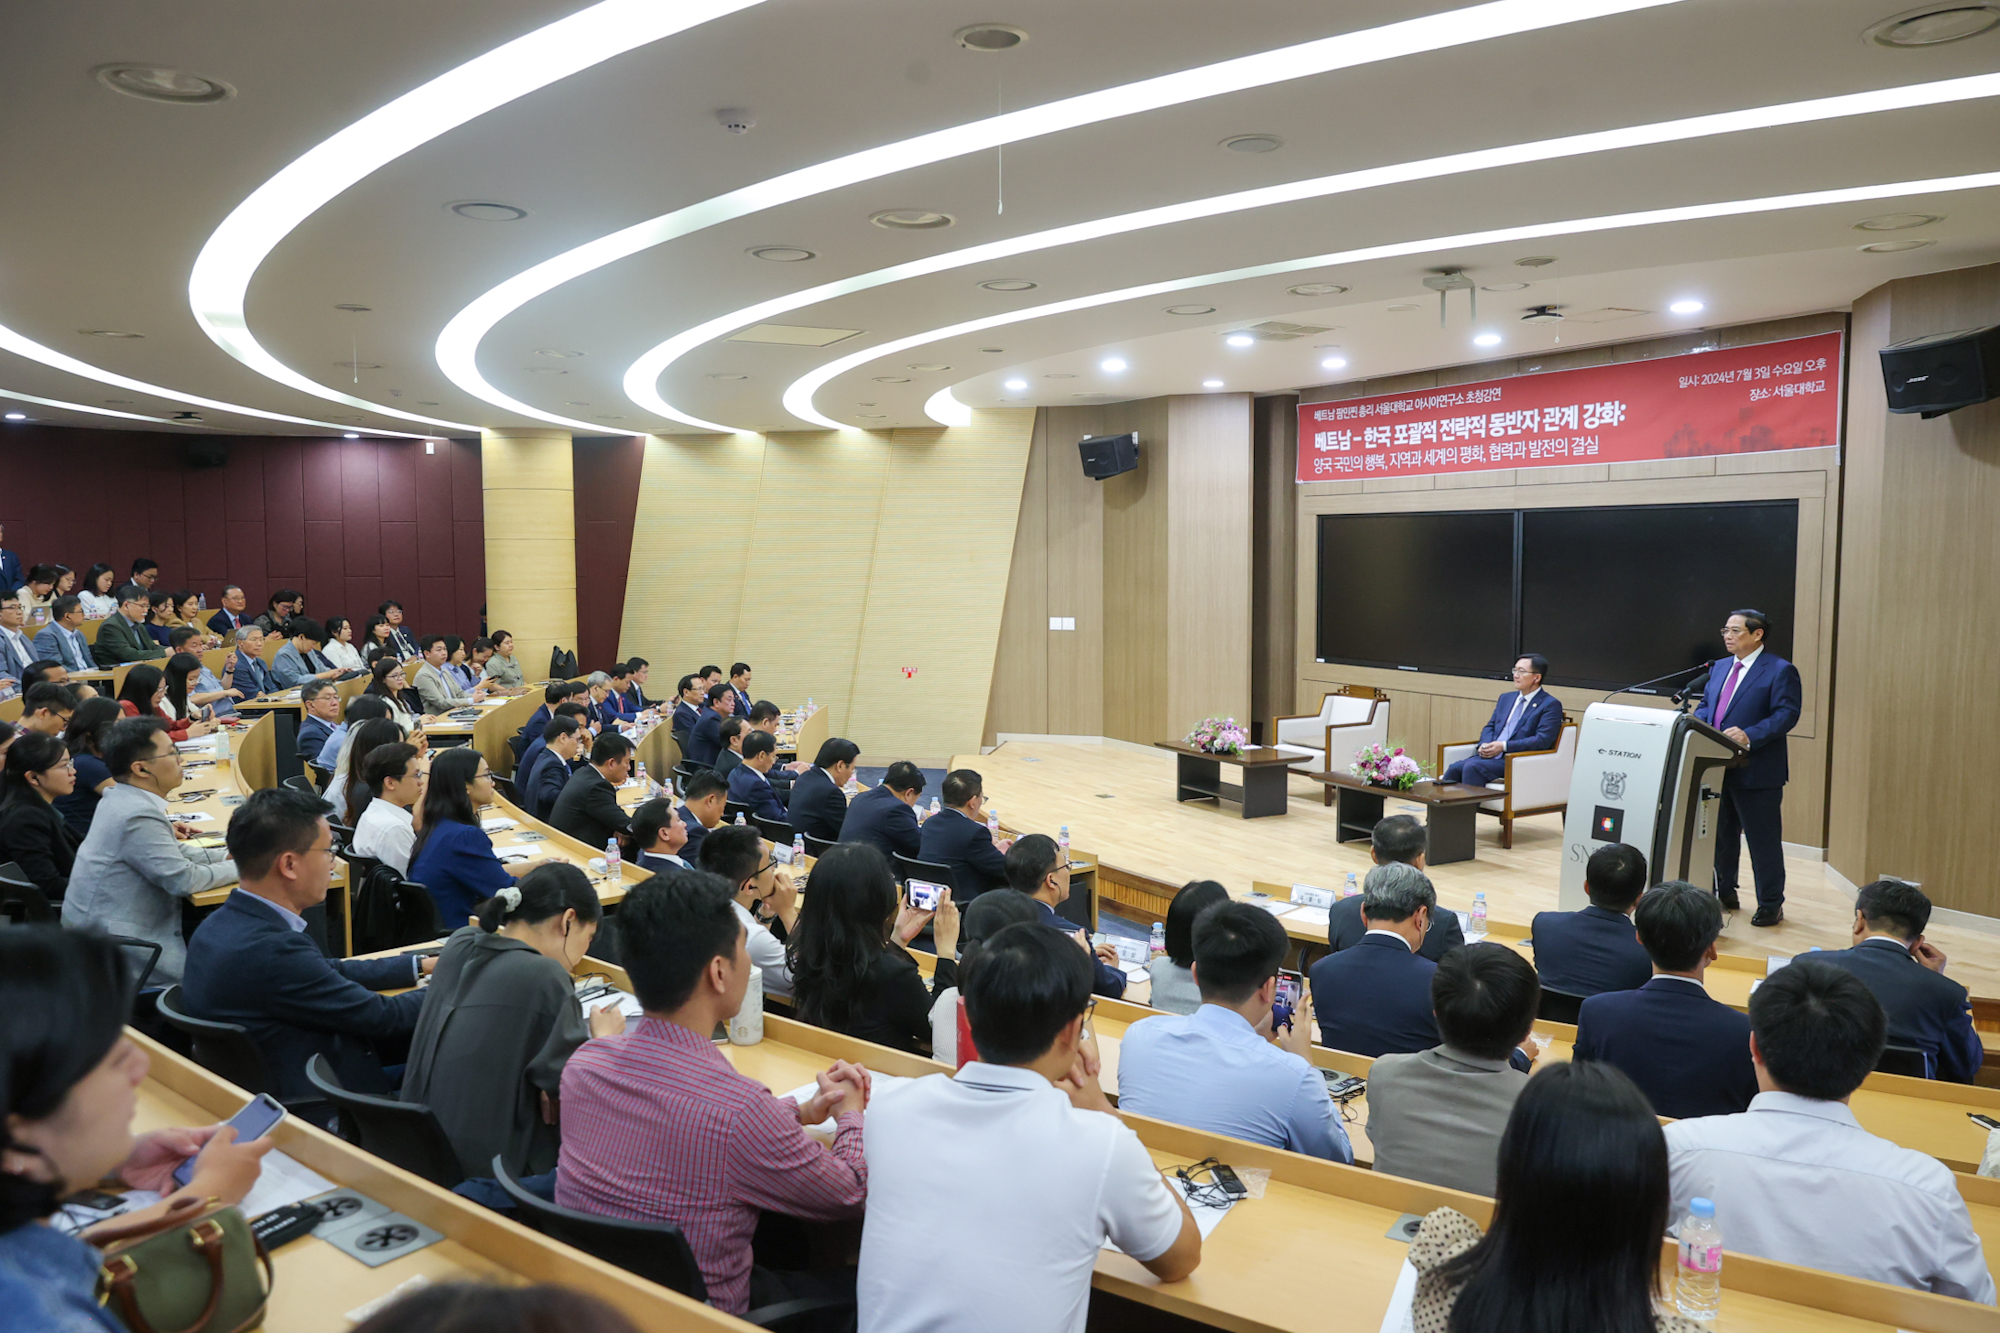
(206, 452)
(1942, 372)
(1108, 455)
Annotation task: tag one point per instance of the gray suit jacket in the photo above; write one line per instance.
(1437, 1116)
(438, 691)
(131, 875)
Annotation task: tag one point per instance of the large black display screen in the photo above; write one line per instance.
(1431, 591)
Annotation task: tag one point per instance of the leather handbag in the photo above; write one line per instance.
(193, 1269)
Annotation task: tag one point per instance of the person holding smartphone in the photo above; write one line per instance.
(850, 970)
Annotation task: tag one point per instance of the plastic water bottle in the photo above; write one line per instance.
(798, 849)
(739, 819)
(809, 708)
(1352, 887)
(1698, 1290)
(222, 744)
(1062, 844)
(645, 783)
(1479, 914)
(993, 825)
(746, 1025)
(614, 860)
(936, 805)
(1159, 944)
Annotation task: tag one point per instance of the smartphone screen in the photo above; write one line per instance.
(924, 896)
(1290, 986)
(254, 1121)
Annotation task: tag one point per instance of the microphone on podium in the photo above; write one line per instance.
(1696, 687)
(1657, 680)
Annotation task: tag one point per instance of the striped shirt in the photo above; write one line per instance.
(658, 1126)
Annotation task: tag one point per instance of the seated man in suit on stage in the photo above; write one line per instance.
(1797, 1177)
(1754, 700)
(1375, 999)
(1524, 719)
(885, 814)
(1926, 1009)
(690, 697)
(1394, 838)
(588, 808)
(562, 744)
(730, 755)
(702, 802)
(818, 806)
(1688, 1053)
(1036, 867)
(1597, 949)
(957, 836)
(705, 742)
(747, 784)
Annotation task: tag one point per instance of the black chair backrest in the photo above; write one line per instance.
(731, 809)
(300, 782)
(152, 951)
(405, 1134)
(389, 911)
(518, 743)
(818, 847)
(224, 1049)
(505, 786)
(323, 775)
(656, 1251)
(1558, 1007)
(777, 830)
(20, 901)
(930, 872)
(1911, 1061)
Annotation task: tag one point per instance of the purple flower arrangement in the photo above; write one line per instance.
(1383, 767)
(1219, 735)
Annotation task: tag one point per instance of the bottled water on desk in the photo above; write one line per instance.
(614, 860)
(936, 805)
(1352, 887)
(739, 819)
(1479, 914)
(798, 849)
(645, 783)
(1062, 844)
(1698, 1289)
(1159, 945)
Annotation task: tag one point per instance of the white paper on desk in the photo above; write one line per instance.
(628, 1003)
(496, 823)
(1206, 1217)
(877, 1085)
(1276, 906)
(1137, 973)
(192, 817)
(282, 1181)
(1307, 916)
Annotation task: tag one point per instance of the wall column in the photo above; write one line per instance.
(528, 479)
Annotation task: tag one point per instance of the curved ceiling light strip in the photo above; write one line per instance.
(458, 343)
(642, 378)
(946, 410)
(222, 272)
(97, 411)
(799, 395)
(24, 346)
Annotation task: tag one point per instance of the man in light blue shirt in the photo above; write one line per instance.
(1217, 1069)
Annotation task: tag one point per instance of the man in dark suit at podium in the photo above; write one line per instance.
(1926, 1009)
(1754, 700)
(1524, 719)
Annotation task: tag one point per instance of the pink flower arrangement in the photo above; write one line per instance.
(1219, 735)
(1386, 768)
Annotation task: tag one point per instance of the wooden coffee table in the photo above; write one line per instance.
(1451, 812)
(1198, 777)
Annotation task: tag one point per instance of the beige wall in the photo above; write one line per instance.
(1428, 710)
(1916, 714)
(528, 480)
(830, 561)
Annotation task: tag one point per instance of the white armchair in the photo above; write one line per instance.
(1349, 717)
(1534, 782)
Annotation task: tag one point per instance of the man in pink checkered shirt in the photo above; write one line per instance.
(658, 1126)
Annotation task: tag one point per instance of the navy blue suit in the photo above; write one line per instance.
(1375, 998)
(1688, 1053)
(751, 788)
(879, 816)
(952, 838)
(1589, 952)
(1537, 728)
(705, 741)
(1765, 704)
(10, 572)
(1926, 1009)
(817, 806)
(524, 771)
(245, 964)
(691, 853)
(1109, 980)
(685, 716)
(620, 707)
(546, 784)
(742, 703)
(1345, 928)
(312, 736)
(252, 675)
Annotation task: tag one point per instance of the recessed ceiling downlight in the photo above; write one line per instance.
(1317, 289)
(1111, 365)
(108, 333)
(1015, 386)
(1240, 340)
(1487, 340)
(989, 37)
(486, 210)
(1934, 25)
(912, 219)
(1503, 287)
(1896, 221)
(1687, 306)
(158, 83)
(892, 379)
(555, 351)
(1253, 143)
(1895, 247)
(1009, 285)
(1190, 310)
(1334, 363)
(782, 254)
(1535, 261)
(928, 366)
(1211, 384)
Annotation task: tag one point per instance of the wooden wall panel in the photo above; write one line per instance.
(1019, 697)
(1208, 560)
(1074, 673)
(1273, 572)
(1135, 579)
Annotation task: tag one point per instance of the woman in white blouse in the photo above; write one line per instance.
(97, 585)
(339, 649)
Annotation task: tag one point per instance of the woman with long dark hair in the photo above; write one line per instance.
(159, 613)
(848, 973)
(453, 858)
(375, 640)
(1173, 973)
(85, 739)
(183, 671)
(144, 694)
(69, 1077)
(501, 1019)
(405, 704)
(32, 833)
(364, 741)
(99, 600)
(339, 647)
(1578, 1215)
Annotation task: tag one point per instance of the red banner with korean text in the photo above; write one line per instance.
(1780, 395)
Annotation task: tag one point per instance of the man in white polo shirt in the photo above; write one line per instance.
(386, 830)
(1040, 1172)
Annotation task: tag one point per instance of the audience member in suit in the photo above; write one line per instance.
(1597, 949)
(619, 705)
(739, 688)
(15, 649)
(503, 668)
(1437, 1115)
(734, 729)
(705, 742)
(230, 618)
(300, 660)
(562, 750)
(1688, 1053)
(438, 691)
(767, 900)
(453, 858)
(402, 640)
(689, 699)
(359, 708)
(391, 684)
(245, 669)
(703, 800)
(885, 815)
(145, 572)
(1223, 1068)
(851, 969)
(641, 669)
(32, 833)
(1375, 998)
(1174, 988)
(524, 769)
(1797, 1179)
(1395, 838)
(500, 1020)
(656, 837)
(1036, 867)
(764, 716)
(1754, 701)
(322, 705)
(554, 695)
(11, 577)
(819, 805)
(596, 688)
(747, 783)
(86, 737)
(710, 677)
(588, 808)
(1905, 971)
(957, 836)
(251, 962)
(1524, 719)
(61, 640)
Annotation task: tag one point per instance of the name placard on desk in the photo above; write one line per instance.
(1305, 895)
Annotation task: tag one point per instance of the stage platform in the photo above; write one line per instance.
(1118, 801)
